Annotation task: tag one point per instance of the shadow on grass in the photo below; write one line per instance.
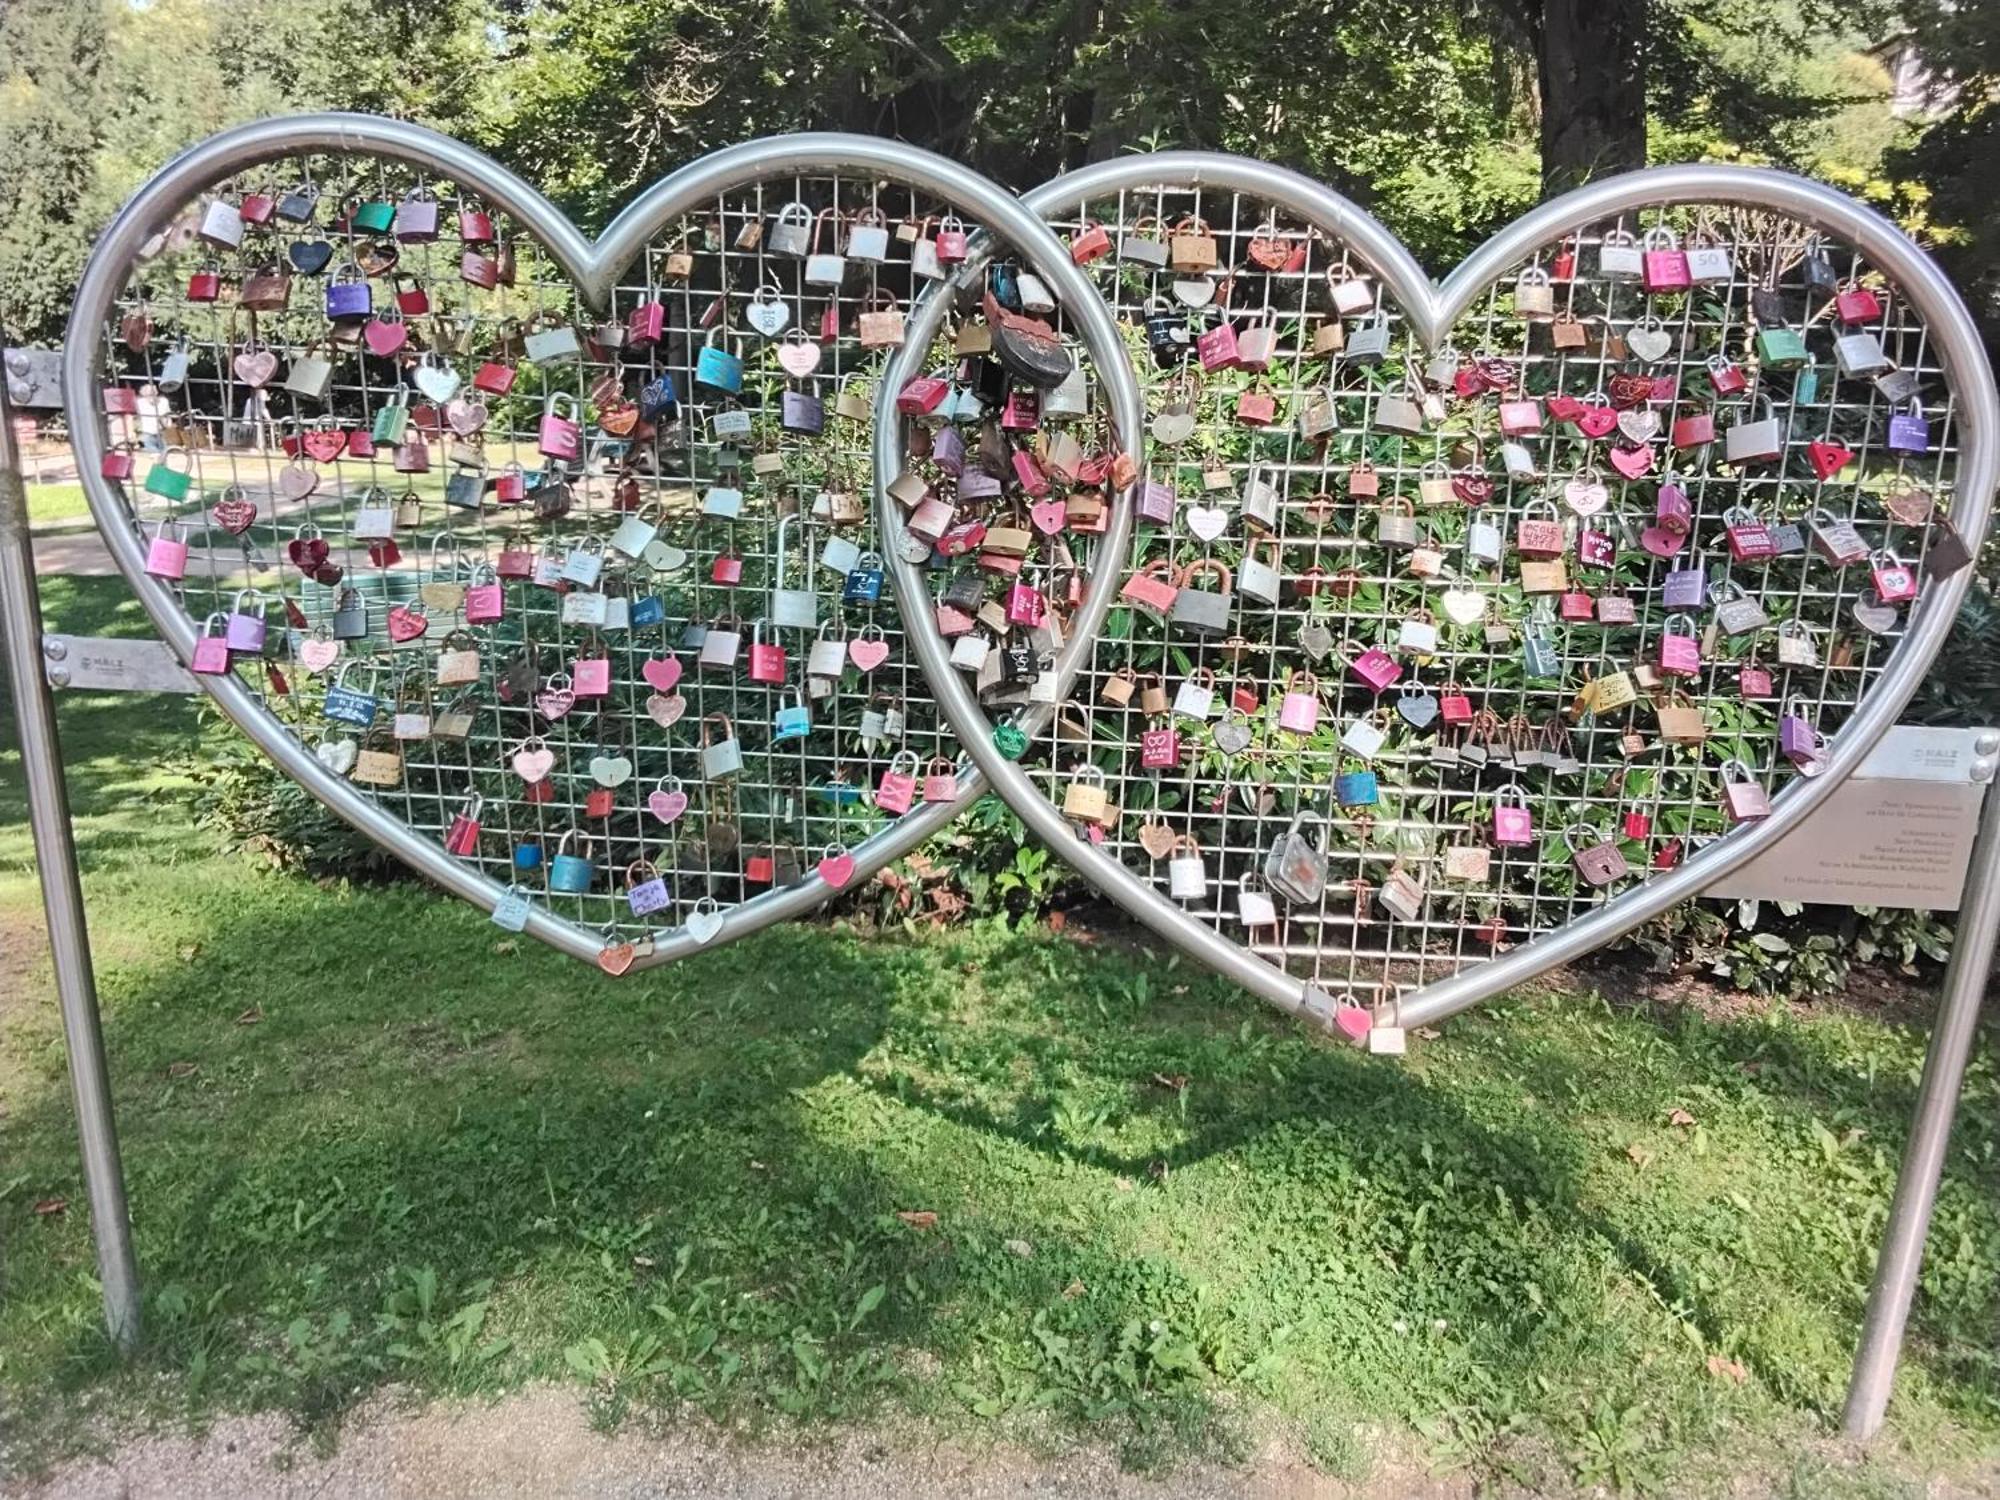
(1148, 1190)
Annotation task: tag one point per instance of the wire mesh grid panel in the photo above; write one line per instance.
(1427, 650)
(594, 598)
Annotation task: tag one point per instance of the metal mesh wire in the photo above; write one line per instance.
(1239, 782)
(619, 760)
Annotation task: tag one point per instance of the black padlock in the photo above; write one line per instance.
(1767, 305)
(466, 489)
(1820, 276)
(966, 590)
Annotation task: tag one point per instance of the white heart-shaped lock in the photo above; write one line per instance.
(1640, 424)
(437, 380)
(1649, 342)
(1206, 521)
(1586, 495)
(1463, 606)
(610, 770)
(769, 314)
(337, 755)
(1172, 427)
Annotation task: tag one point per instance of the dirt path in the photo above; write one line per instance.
(540, 1444)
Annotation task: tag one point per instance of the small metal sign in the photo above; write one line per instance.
(34, 377)
(1898, 834)
(99, 664)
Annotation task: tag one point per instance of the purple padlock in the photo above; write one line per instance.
(1685, 588)
(348, 295)
(801, 412)
(977, 484)
(1673, 513)
(245, 631)
(1156, 502)
(1799, 741)
(1909, 432)
(948, 451)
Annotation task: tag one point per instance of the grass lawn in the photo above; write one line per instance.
(52, 503)
(373, 1140)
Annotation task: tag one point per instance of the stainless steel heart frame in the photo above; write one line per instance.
(1432, 310)
(594, 269)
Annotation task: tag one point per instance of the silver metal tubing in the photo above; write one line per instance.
(1432, 310)
(62, 900)
(1952, 1033)
(595, 268)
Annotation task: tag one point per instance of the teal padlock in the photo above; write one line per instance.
(164, 480)
(1805, 389)
(1356, 789)
(1539, 657)
(374, 216)
(1781, 348)
(570, 874)
(717, 367)
(792, 721)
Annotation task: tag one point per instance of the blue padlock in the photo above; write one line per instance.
(864, 581)
(656, 396)
(348, 295)
(793, 721)
(718, 369)
(348, 705)
(1356, 789)
(570, 874)
(527, 856)
(648, 609)
(1538, 655)
(1909, 432)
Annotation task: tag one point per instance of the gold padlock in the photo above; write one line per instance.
(1153, 694)
(1085, 799)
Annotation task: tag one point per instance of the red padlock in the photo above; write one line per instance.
(1089, 243)
(462, 836)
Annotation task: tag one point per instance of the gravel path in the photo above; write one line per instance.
(539, 1444)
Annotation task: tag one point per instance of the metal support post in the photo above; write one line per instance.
(62, 899)
(1952, 1034)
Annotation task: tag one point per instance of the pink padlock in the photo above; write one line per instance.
(1895, 580)
(1298, 711)
(941, 781)
(461, 837)
(561, 435)
(951, 240)
(1030, 473)
(1022, 412)
(167, 553)
(1217, 347)
(1596, 549)
(1519, 418)
(1026, 606)
(931, 519)
(1743, 796)
(1673, 512)
(485, 601)
(591, 677)
(1856, 304)
(1513, 823)
(1694, 430)
(647, 324)
(922, 395)
(211, 650)
(1665, 265)
(1375, 667)
(897, 790)
(1160, 749)
(1680, 647)
(767, 661)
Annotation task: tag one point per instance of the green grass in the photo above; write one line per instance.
(49, 504)
(447, 1159)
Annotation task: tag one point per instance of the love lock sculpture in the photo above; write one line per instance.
(1469, 626)
(551, 566)
(1378, 643)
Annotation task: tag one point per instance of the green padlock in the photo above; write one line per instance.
(164, 480)
(374, 216)
(1781, 348)
(1010, 741)
(392, 417)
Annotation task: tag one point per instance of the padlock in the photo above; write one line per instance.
(940, 781)
(1534, 294)
(767, 660)
(1685, 588)
(571, 874)
(1539, 656)
(1368, 344)
(1202, 611)
(1085, 799)
(1298, 710)
(1663, 264)
(1799, 742)
(791, 721)
(791, 231)
(1513, 823)
(211, 648)
(1835, 538)
(1754, 442)
(1396, 523)
(1356, 788)
(864, 581)
(1855, 303)
(1375, 667)
(350, 616)
(1908, 431)
(1780, 348)
(1618, 257)
(717, 367)
(1680, 647)
(1859, 355)
(1743, 796)
(349, 297)
(1598, 860)
(1295, 866)
(167, 553)
(721, 644)
(1195, 697)
(1736, 611)
(1160, 748)
(1693, 431)
(1750, 540)
(168, 482)
(721, 755)
(1796, 646)
(245, 631)
(896, 792)
(1596, 549)
(1540, 534)
(1895, 582)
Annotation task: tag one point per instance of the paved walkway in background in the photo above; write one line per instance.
(538, 1445)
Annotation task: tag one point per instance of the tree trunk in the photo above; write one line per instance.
(1593, 86)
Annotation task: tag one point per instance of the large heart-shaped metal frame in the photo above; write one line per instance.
(594, 269)
(1432, 309)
